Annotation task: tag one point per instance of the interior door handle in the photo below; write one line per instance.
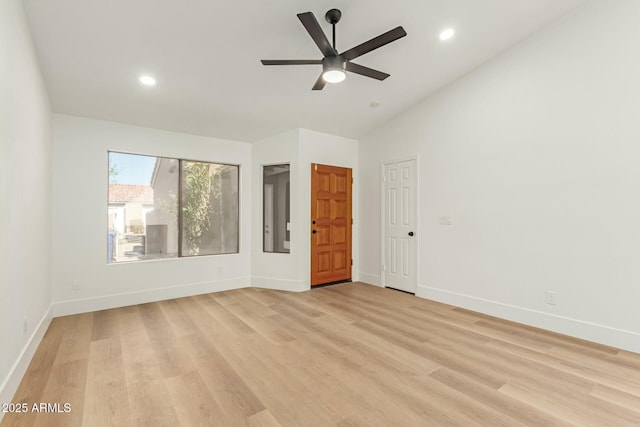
(411, 233)
(314, 231)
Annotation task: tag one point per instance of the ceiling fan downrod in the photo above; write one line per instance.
(333, 17)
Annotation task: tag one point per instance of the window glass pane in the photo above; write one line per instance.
(275, 180)
(209, 208)
(142, 208)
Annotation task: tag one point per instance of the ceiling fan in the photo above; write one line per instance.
(335, 65)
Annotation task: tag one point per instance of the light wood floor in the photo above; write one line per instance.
(344, 355)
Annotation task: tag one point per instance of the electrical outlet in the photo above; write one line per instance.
(551, 298)
(25, 325)
(75, 285)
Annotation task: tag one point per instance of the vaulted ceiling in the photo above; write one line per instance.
(205, 56)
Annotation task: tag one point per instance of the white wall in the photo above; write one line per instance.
(80, 182)
(535, 157)
(300, 148)
(25, 201)
(278, 270)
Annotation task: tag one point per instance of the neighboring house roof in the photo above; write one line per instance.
(126, 193)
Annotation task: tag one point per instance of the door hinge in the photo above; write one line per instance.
(351, 261)
(352, 180)
(351, 221)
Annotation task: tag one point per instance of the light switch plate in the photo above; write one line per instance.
(445, 220)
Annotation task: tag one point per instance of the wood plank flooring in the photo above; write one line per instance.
(345, 355)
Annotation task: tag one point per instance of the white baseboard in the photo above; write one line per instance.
(86, 305)
(279, 284)
(372, 279)
(602, 334)
(10, 385)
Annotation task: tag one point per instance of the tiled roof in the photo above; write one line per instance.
(124, 193)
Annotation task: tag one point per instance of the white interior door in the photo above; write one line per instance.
(400, 266)
(268, 218)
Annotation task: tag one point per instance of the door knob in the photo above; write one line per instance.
(314, 231)
(411, 233)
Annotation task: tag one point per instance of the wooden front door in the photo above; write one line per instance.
(330, 224)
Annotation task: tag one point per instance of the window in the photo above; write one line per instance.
(209, 208)
(161, 207)
(276, 216)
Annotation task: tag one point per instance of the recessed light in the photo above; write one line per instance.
(147, 80)
(447, 34)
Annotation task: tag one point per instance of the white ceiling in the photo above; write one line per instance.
(205, 55)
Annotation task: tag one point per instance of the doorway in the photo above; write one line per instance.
(399, 245)
(331, 224)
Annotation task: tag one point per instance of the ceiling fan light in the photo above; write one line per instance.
(334, 76)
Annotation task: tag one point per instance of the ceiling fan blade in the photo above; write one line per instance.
(374, 43)
(291, 61)
(366, 71)
(319, 85)
(315, 31)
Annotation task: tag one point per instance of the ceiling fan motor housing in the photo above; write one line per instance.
(333, 63)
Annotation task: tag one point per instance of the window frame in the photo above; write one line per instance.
(179, 221)
(262, 195)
